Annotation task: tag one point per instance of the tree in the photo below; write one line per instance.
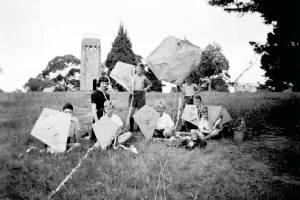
(34, 84)
(279, 55)
(213, 65)
(121, 51)
(58, 63)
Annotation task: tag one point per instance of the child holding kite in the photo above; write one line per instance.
(188, 90)
(98, 98)
(204, 131)
(73, 137)
(121, 135)
(141, 85)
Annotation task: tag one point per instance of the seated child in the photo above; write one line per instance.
(74, 129)
(204, 131)
(73, 138)
(165, 125)
(122, 135)
(197, 101)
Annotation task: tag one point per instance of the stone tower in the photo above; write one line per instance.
(90, 68)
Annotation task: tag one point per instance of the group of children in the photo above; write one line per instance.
(101, 105)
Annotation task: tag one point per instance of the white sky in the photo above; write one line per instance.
(33, 32)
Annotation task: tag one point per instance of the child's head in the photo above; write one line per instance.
(109, 108)
(204, 112)
(140, 68)
(187, 81)
(102, 83)
(160, 106)
(194, 136)
(197, 100)
(68, 108)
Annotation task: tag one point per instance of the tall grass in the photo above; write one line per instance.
(223, 170)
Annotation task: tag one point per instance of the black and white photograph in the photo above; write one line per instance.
(149, 99)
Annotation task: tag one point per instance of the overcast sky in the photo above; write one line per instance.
(35, 31)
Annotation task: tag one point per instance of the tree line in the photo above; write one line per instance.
(213, 64)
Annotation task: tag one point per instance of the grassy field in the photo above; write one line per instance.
(265, 166)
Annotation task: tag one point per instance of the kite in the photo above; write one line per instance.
(123, 73)
(105, 130)
(174, 59)
(52, 128)
(146, 118)
(190, 114)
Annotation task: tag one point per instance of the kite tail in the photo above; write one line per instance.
(70, 175)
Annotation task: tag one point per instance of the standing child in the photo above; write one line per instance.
(141, 85)
(188, 90)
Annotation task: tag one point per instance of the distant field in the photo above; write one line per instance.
(265, 166)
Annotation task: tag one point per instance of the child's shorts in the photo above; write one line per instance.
(139, 99)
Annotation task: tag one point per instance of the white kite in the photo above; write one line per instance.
(52, 128)
(216, 112)
(105, 130)
(123, 73)
(146, 118)
(190, 114)
(174, 59)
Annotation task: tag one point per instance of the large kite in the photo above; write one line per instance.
(190, 114)
(123, 73)
(52, 128)
(146, 118)
(105, 130)
(174, 59)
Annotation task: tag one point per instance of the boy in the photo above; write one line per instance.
(73, 137)
(165, 125)
(74, 129)
(98, 98)
(141, 85)
(188, 90)
(121, 137)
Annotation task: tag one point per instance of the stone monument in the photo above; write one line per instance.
(90, 68)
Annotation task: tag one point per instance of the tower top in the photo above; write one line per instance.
(90, 42)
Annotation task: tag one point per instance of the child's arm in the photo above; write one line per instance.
(217, 124)
(149, 84)
(94, 111)
(204, 128)
(207, 131)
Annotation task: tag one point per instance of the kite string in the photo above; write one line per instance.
(131, 102)
(70, 175)
(178, 111)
